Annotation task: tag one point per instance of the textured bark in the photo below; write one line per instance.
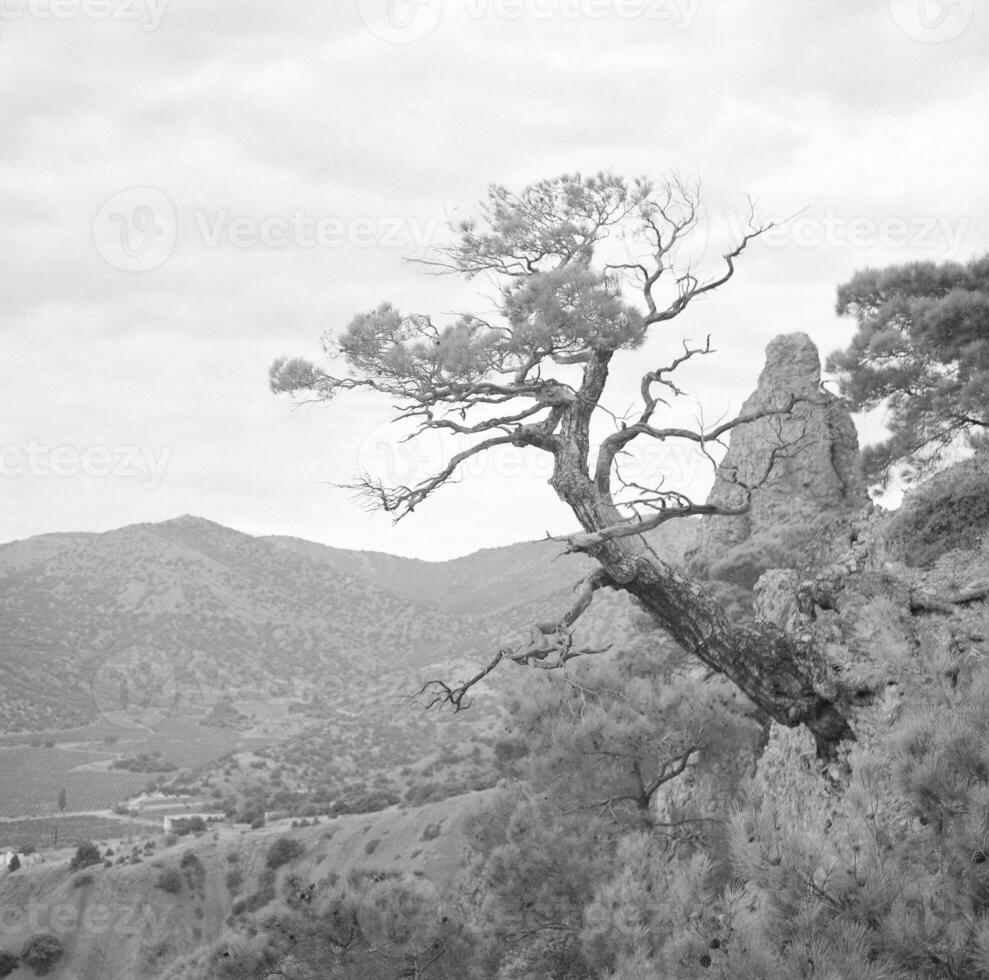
(785, 676)
(780, 673)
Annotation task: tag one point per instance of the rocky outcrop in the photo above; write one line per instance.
(799, 470)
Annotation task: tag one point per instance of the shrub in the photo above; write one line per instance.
(234, 880)
(8, 963)
(263, 896)
(15, 863)
(170, 880)
(371, 846)
(82, 881)
(947, 512)
(41, 952)
(431, 832)
(87, 853)
(283, 850)
(189, 825)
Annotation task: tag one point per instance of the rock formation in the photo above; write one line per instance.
(801, 469)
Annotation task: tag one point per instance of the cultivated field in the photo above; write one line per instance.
(80, 760)
(68, 831)
(30, 780)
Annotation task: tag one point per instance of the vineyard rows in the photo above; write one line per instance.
(30, 781)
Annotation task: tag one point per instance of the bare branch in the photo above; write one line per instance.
(926, 602)
(589, 540)
(549, 647)
(618, 440)
(656, 377)
(403, 500)
(688, 286)
(670, 770)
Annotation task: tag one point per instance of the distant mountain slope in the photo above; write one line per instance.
(200, 606)
(485, 581)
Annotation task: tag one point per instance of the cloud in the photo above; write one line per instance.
(241, 113)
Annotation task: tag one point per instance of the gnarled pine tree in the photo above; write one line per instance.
(501, 382)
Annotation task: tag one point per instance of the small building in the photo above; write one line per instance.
(168, 822)
(6, 856)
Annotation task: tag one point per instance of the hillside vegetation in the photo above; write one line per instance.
(645, 822)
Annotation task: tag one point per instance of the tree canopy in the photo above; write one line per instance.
(922, 349)
(509, 378)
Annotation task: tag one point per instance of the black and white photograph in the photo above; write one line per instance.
(494, 490)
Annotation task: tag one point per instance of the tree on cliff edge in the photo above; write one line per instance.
(501, 382)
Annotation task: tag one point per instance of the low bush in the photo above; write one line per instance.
(170, 880)
(283, 850)
(87, 853)
(41, 952)
(949, 511)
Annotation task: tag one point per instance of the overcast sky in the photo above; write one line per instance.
(191, 188)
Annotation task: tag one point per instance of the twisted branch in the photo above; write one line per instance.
(549, 647)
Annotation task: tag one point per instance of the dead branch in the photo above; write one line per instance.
(657, 377)
(669, 771)
(549, 647)
(587, 541)
(611, 445)
(927, 602)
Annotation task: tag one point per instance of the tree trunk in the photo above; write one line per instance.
(784, 676)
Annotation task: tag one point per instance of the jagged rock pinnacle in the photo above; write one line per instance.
(803, 467)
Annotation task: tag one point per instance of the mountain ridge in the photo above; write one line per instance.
(216, 608)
